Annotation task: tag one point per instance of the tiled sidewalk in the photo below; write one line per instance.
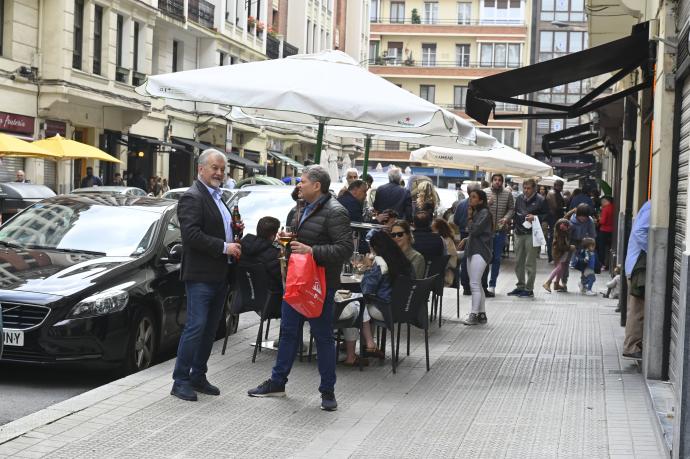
(542, 379)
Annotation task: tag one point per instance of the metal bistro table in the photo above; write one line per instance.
(358, 228)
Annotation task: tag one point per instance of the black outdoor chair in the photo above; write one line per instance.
(409, 305)
(436, 267)
(338, 325)
(251, 293)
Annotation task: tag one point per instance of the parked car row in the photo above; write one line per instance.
(92, 277)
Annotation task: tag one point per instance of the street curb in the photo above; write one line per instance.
(79, 402)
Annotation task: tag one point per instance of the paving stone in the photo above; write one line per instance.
(542, 379)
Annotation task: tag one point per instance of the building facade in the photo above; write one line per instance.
(76, 77)
(558, 28)
(434, 48)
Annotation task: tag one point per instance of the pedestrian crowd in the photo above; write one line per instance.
(407, 236)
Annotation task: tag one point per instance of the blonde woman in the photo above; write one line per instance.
(426, 198)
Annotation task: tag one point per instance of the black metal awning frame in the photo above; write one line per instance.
(482, 94)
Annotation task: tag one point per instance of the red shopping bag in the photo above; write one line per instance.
(305, 285)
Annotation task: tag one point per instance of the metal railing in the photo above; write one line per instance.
(201, 12)
(173, 8)
(451, 21)
(289, 50)
(272, 47)
(389, 62)
(500, 107)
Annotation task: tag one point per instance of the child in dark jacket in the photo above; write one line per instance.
(586, 262)
(261, 249)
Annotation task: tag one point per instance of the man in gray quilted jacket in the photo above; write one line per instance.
(323, 230)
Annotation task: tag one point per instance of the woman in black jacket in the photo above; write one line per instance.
(478, 249)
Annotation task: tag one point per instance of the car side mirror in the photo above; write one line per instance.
(174, 255)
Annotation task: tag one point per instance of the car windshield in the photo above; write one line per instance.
(114, 231)
(256, 204)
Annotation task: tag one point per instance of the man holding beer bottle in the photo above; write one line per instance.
(209, 248)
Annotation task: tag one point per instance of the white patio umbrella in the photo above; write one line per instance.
(311, 88)
(347, 163)
(503, 159)
(482, 140)
(546, 181)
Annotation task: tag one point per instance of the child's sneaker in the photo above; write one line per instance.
(547, 286)
(590, 293)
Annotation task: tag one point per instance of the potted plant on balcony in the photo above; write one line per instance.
(409, 61)
(251, 21)
(260, 27)
(272, 32)
(416, 19)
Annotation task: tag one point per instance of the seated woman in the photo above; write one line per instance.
(402, 235)
(260, 249)
(443, 229)
(389, 263)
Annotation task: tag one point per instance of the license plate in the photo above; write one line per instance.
(13, 337)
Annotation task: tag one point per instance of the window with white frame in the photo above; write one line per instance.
(500, 55)
(507, 137)
(464, 13)
(394, 53)
(563, 10)
(557, 43)
(462, 55)
(459, 96)
(502, 12)
(374, 11)
(430, 13)
(429, 54)
(428, 92)
(397, 12)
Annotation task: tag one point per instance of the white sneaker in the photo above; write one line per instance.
(590, 293)
(491, 289)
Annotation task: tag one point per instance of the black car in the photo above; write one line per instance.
(92, 278)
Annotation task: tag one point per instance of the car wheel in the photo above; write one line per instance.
(142, 347)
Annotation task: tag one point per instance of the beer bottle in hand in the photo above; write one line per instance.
(236, 223)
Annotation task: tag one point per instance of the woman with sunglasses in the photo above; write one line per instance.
(402, 235)
(389, 263)
(478, 250)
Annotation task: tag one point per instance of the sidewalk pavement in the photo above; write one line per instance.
(542, 379)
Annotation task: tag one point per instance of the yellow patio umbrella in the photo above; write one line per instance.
(71, 149)
(12, 146)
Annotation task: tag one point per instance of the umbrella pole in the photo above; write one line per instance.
(367, 146)
(319, 142)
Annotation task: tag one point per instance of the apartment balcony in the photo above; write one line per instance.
(201, 12)
(289, 50)
(172, 8)
(414, 68)
(277, 48)
(449, 26)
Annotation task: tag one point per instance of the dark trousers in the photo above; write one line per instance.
(321, 327)
(499, 243)
(205, 302)
(603, 247)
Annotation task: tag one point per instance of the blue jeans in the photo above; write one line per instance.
(499, 244)
(321, 328)
(205, 302)
(588, 281)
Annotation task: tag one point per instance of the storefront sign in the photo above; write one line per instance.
(54, 128)
(10, 122)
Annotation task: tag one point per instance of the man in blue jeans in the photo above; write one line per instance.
(324, 232)
(208, 248)
(502, 206)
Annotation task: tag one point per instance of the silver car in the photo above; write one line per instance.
(118, 190)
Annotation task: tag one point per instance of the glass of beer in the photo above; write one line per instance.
(286, 236)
